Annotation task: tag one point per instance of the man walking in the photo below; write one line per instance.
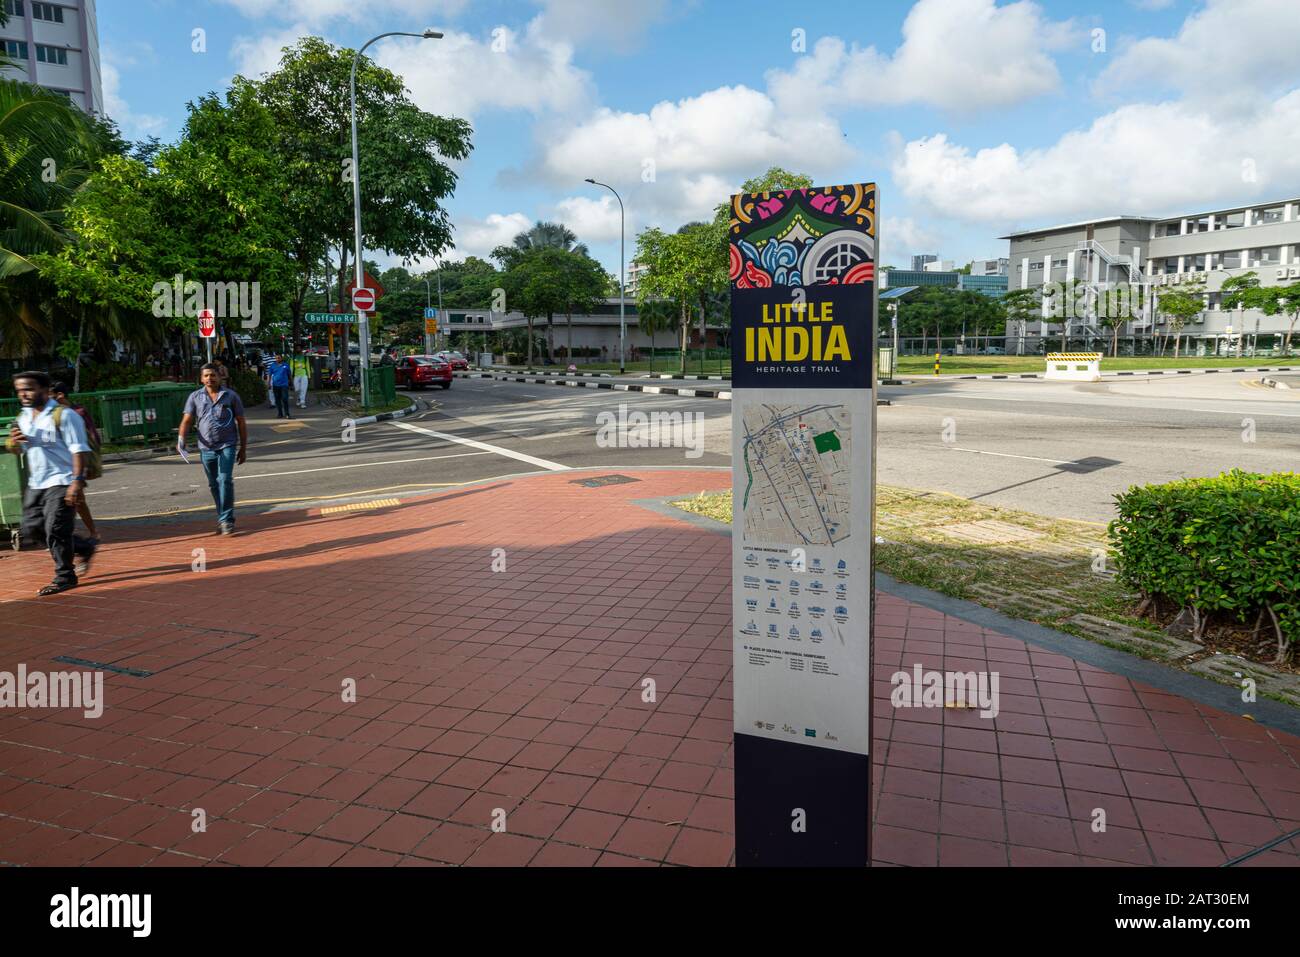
(223, 439)
(280, 374)
(300, 379)
(54, 441)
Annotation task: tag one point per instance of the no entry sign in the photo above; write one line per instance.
(363, 299)
(207, 324)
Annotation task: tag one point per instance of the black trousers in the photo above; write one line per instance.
(48, 522)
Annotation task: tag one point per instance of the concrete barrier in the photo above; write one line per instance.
(1074, 366)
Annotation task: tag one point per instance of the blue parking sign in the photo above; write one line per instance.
(431, 313)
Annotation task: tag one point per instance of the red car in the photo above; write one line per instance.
(417, 372)
(457, 361)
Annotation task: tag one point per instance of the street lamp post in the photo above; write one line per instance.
(622, 284)
(363, 321)
(428, 304)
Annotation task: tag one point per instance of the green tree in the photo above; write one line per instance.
(585, 284)
(655, 316)
(1179, 304)
(403, 151)
(1021, 307)
(535, 284)
(47, 151)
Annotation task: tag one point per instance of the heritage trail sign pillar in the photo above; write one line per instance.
(803, 334)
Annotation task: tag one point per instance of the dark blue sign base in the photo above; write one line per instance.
(833, 788)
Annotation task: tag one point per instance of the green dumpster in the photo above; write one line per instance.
(383, 385)
(13, 479)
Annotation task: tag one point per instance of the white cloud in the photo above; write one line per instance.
(254, 56)
(460, 75)
(900, 237)
(955, 54)
(592, 220)
(133, 125)
(318, 12)
(1225, 53)
(1143, 159)
(681, 159)
(618, 25)
(478, 237)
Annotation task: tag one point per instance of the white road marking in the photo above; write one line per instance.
(1008, 455)
(358, 465)
(1169, 404)
(474, 444)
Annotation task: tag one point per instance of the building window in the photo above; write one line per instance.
(14, 8)
(16, 49)
(1035, 265)
(1263, 217)
(1169, 229)
(47, 11)
(1058, 263)
(1170, 265)
(1200, 225)
(1230, 260)
(45, 54)
(1266, 256)
(1232, 220)
(1196, 264)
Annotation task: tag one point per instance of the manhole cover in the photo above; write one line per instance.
(156, 649)
(989, 532)
(600, 480)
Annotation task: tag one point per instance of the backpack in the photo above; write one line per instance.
(94, 462)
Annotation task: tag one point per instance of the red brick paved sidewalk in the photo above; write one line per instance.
(521, 691)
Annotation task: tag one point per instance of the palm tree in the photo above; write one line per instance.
(543, 235)
(47, 148)
(546, 235)
(655, 316)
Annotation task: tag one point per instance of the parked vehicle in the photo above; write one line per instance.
(457, 361)
(417, 372)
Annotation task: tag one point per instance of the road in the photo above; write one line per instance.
(1061, 449)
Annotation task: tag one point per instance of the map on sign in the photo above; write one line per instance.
(797, 473)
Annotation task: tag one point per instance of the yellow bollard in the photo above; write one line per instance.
(936, 363)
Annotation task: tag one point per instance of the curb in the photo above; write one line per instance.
(136, 455)
(1159, 675)
(1104, 375)
(620, 387)
(592, 375)
(411, 409)
(666, 375)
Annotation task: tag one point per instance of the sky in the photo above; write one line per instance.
(974, 117)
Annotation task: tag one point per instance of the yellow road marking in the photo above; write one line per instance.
(361, 506)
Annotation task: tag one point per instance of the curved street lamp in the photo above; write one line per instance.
(622, 285)
(363, 322)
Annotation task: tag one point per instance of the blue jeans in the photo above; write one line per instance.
(281, 400)
(220, 466)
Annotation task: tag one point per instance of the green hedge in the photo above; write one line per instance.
(1226, 546)
(249, 385)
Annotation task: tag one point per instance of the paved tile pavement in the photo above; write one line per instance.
(515, 695)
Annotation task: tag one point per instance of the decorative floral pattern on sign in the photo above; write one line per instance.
(803, 237)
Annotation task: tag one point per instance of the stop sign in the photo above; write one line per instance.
(207, 324)
(363, 299)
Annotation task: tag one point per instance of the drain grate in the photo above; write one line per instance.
(156, 649)
(602, 480)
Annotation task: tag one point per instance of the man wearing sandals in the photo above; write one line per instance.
(57, 451)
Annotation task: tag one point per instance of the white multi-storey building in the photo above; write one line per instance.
(57, 45)
(1204, 248)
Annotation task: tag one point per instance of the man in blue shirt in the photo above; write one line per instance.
(281, 375)
(223, 439)
(53, 440)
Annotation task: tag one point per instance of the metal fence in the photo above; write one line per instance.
(1264, 345)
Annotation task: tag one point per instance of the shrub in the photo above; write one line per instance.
(1228, 545)
(249, 385)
